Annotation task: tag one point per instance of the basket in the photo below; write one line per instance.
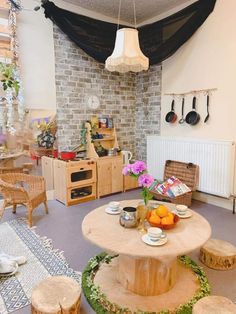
(188, 173)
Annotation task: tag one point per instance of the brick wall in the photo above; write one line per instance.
(148, 107)
(132, 100)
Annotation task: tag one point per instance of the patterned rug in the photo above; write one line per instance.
(16, 238)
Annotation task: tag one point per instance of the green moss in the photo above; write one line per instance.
(102, 305)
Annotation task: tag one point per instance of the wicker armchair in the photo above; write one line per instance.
(25, 168)
(24, 189)
(11, 170)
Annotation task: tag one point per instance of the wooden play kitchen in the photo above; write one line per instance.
(144, 277)
(75, 181)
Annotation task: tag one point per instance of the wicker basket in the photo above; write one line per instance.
(188, 173)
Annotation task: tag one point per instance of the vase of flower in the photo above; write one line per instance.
(138, 170)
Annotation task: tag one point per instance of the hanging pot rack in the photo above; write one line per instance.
(193, 92)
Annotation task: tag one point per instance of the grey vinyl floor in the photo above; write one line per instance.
(63, 226)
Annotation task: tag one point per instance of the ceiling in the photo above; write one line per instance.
(145, 9)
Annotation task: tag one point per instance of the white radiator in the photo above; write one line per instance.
(214, 157)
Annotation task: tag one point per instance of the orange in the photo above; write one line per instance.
(162, 211)
(168, 220)
(171, 215)
(155, 219)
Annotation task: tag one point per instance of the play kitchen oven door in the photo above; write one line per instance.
(81, 173)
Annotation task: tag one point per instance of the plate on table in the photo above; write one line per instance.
(110, 211)
(147, 240)
(188, 214)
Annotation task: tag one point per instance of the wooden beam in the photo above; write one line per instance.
(4, 4)
(6, 53)
(5, 45)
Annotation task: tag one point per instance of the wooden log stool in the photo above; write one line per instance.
(218, 254)
(214, 305)
(56, 295)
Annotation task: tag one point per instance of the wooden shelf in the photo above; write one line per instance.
(104, 129)
(110, 138)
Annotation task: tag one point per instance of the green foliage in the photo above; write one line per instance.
(146, 195)
(8, 81)
(101, 305)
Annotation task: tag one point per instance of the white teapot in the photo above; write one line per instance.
(127, 156)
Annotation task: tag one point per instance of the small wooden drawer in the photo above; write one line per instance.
(81, 175)
(81, 194)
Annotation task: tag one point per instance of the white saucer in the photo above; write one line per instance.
(186, 215)
(110, 211)
(147, 240)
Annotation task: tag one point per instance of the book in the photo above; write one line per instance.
(172, 187)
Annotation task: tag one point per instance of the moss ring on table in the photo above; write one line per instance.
(102, 305)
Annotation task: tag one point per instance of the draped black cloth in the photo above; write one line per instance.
(158, 40)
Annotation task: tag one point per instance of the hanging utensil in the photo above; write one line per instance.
(171, 116)
(193, 117)
(182, 120)
(208, 115)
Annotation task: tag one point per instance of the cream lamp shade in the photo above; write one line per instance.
(127, 55)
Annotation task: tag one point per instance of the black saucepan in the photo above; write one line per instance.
(171, 116)
(193, 117)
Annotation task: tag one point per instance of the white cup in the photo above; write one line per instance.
(154, 233)
(114, 206)
(181, 209)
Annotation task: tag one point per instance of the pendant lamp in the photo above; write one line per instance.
(127, 55)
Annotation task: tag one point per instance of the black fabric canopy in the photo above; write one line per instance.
(158, 41)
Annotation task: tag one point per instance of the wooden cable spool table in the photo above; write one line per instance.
(145, 277)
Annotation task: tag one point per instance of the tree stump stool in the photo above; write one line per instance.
(214, 305)
(56, 295)
(218, 254)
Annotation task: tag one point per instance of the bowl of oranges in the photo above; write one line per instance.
(162, 217)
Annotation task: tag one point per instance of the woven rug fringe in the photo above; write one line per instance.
(47, 242)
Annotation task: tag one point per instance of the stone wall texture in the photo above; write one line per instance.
(148, 107)
(133, 100)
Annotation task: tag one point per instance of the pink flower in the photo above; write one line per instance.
(138, 167)
(145, 180)
(126, 170)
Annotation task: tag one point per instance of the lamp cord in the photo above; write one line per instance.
(135, 22)
(118, 23)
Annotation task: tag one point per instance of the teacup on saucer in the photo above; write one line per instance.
(155, 234)
(114, 206)
(181, 209)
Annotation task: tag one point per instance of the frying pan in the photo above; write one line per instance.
(182, 120)
(193, 117)
(208, 114)
(171, 116)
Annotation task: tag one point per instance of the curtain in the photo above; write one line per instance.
(158, 40)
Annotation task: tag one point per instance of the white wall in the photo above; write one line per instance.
(207, 60)
(36, 52)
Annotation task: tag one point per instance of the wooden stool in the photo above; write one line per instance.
(56, 295)
(214, 305)
(218, 254)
